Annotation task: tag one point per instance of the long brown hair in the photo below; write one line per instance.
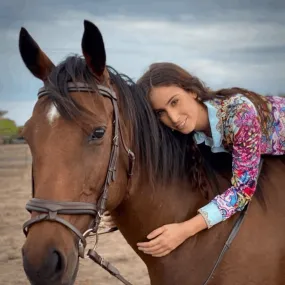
(201, 161)
(167, 74)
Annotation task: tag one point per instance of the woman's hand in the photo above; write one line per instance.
(168, 237)
(163, 240)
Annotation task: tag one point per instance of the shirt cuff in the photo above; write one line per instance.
(211, 214)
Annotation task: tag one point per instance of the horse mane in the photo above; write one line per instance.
(165, 155)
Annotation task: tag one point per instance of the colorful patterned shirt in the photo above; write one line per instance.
(236, 128)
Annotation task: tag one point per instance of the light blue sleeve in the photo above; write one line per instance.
(211, 214)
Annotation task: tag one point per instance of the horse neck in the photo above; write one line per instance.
(147, 207)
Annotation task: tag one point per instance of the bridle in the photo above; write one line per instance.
(50, 209)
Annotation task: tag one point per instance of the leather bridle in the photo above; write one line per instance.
(50, 209)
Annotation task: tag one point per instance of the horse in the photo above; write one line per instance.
(96, 145)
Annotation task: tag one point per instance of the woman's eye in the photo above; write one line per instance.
(97, 134)
(174, 102)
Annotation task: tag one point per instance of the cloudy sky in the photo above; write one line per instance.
(224, 42)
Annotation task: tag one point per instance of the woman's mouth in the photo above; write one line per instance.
(181, 125)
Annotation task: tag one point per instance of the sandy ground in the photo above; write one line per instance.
(15, 190)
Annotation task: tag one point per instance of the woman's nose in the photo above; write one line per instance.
(173, 117)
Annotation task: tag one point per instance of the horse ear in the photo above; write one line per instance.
(93, 48)
(34, 58)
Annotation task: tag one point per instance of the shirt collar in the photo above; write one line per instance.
(216, 129)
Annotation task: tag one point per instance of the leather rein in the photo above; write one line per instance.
(50, 209)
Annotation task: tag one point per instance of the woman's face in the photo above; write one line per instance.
(176, 108)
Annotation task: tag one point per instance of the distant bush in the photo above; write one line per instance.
(10, 133)
(8, 127)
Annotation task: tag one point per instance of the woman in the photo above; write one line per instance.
(234, 120)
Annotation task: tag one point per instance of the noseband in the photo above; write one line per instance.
(50, 209)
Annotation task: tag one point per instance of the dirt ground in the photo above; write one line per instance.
(15, 190)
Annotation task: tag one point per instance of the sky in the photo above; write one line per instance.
(224, 42)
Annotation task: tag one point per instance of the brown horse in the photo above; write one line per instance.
(86, 117)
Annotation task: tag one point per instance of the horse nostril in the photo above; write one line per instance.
(57, 263)
(48, 271)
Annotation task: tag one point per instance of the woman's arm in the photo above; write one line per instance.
(246, 135)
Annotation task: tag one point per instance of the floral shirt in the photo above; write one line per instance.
(236, 128)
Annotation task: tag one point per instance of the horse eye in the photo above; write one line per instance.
(97, 134)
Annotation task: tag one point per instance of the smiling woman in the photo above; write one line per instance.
(178, 109)
(232, 120)
(83, 164)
